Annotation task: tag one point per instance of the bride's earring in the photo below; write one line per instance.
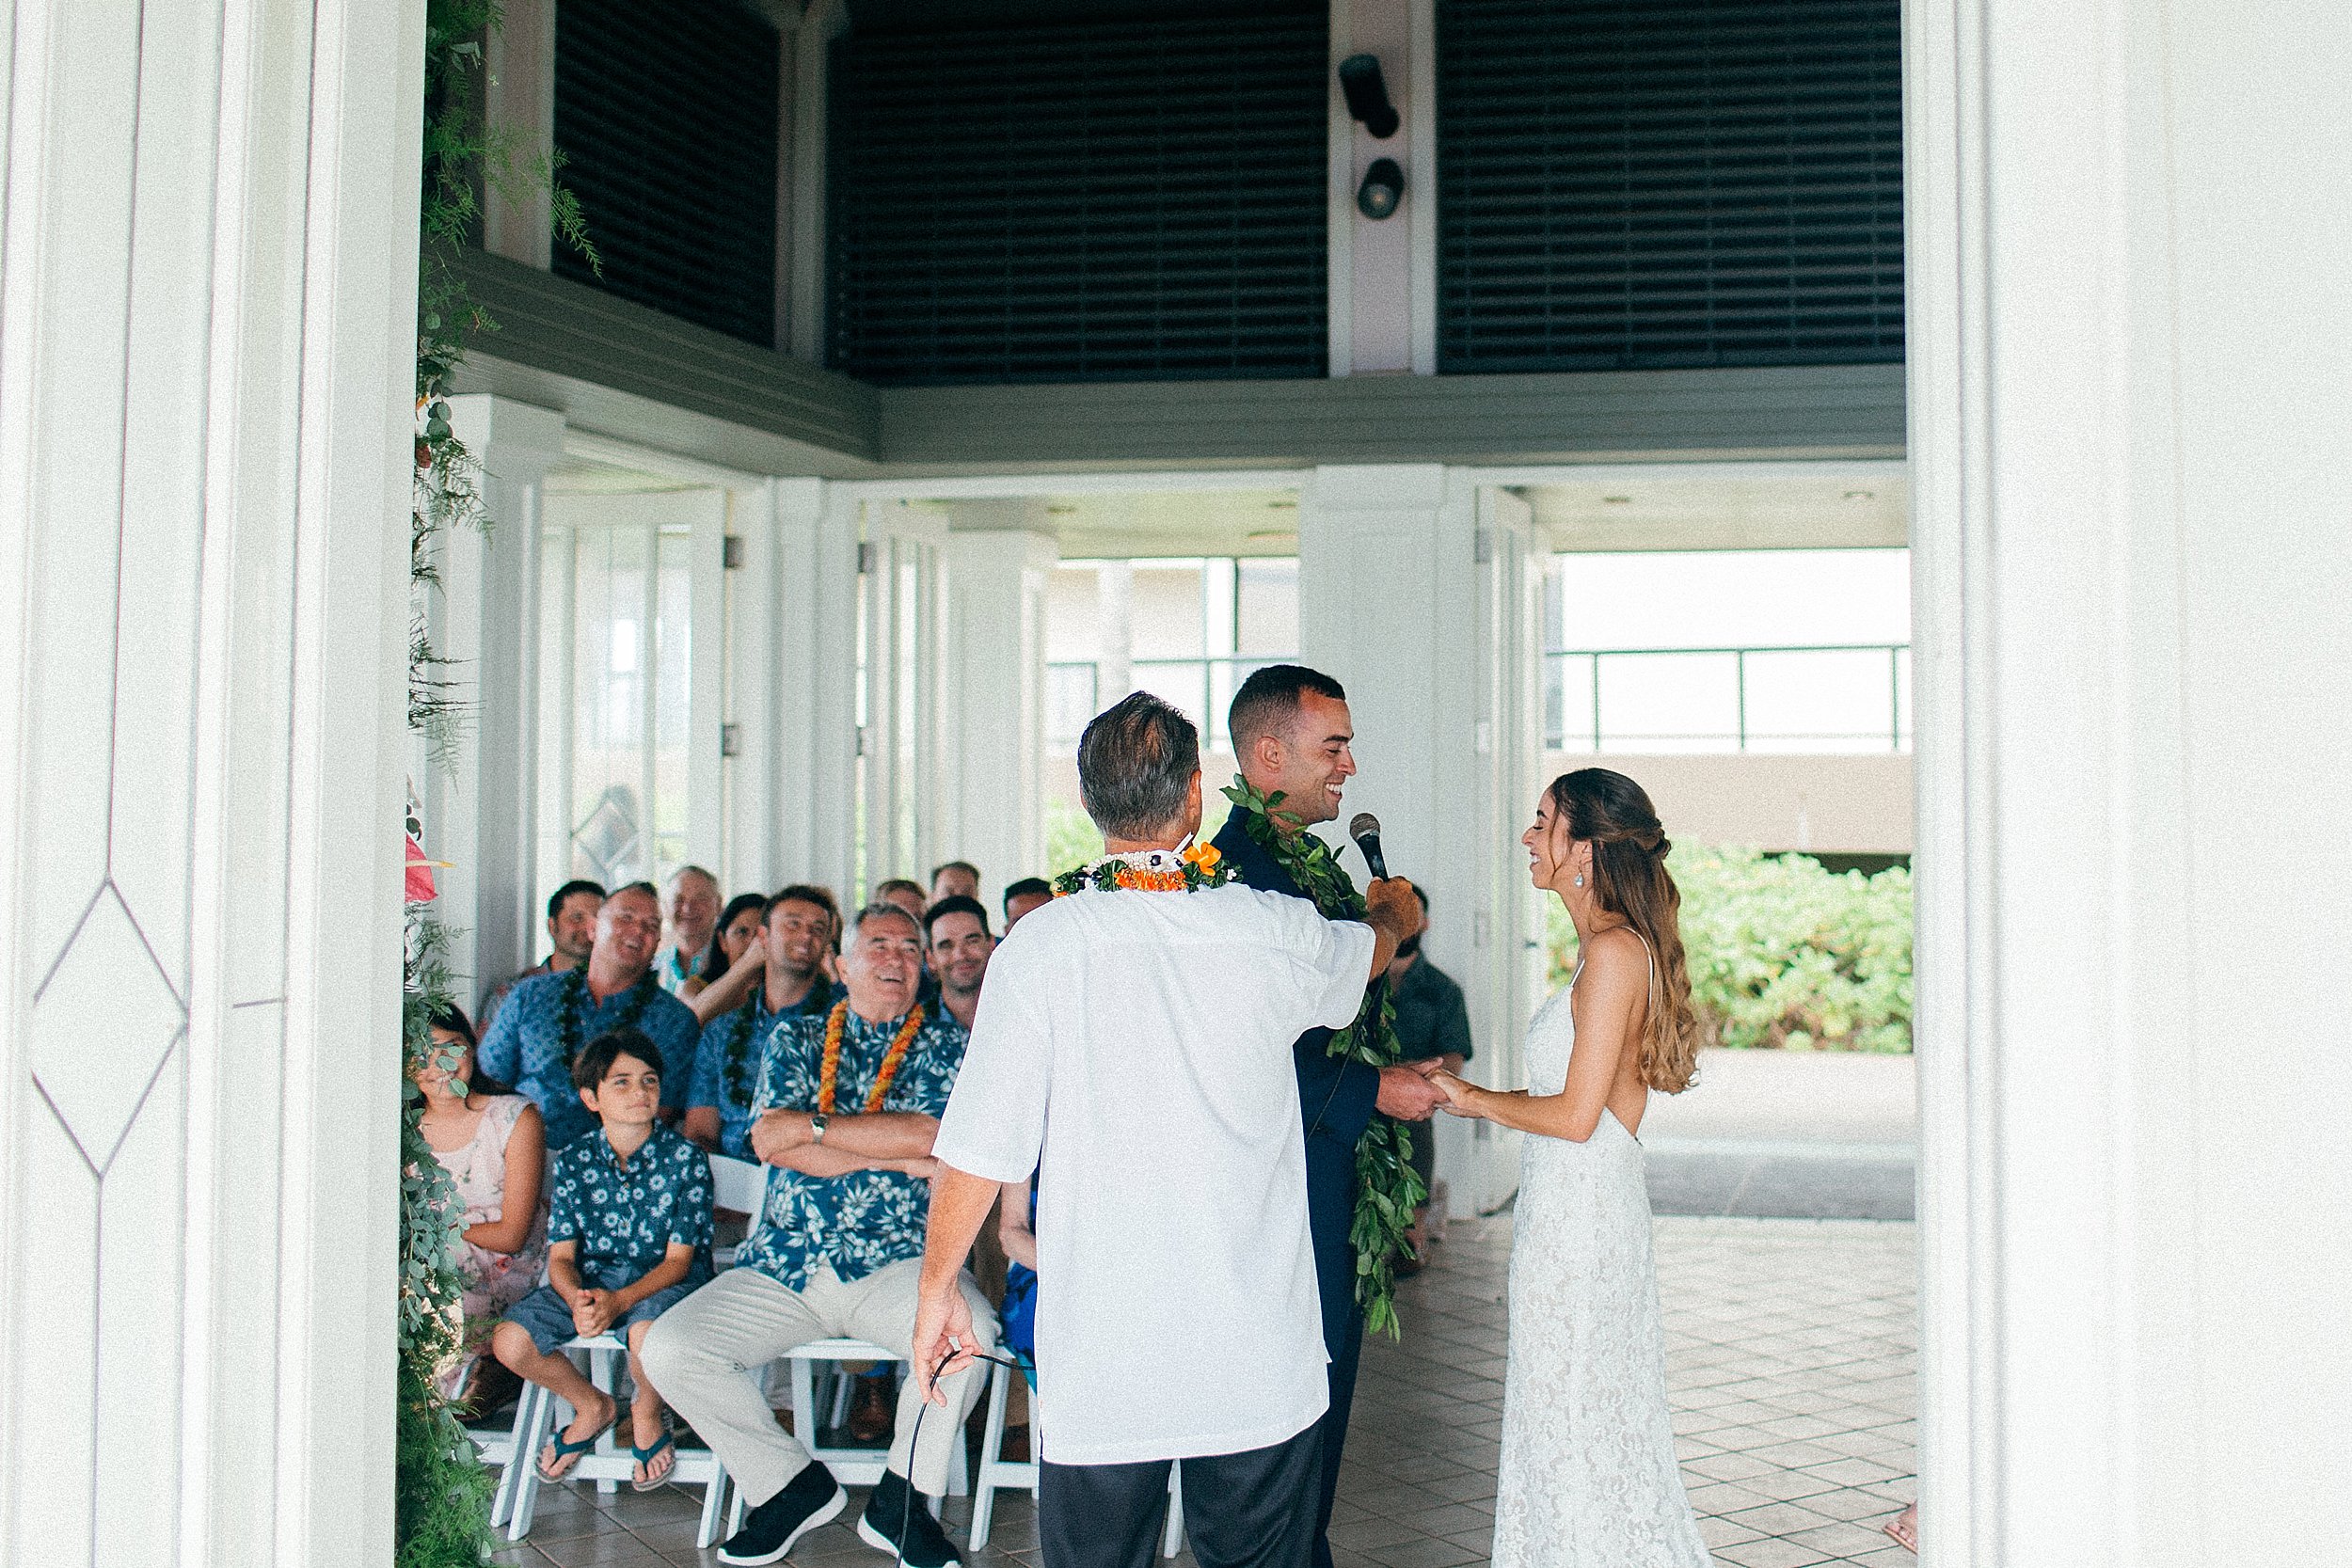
(1580, 878)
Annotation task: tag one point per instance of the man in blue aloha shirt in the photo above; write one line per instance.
(795, 938)
(837, 1252)
(549, 1017)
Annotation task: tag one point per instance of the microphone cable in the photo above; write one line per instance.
(906, 1515)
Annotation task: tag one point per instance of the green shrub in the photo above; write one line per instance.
(1784, 954)
(1070, 839)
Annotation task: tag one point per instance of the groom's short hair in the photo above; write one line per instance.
(1135, 764)
(1269, 698)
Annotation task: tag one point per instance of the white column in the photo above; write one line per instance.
(2128, 437)
(996, 679)
(905, 737)
(1398, 600)
(480, 814)
(813, 811)
(206, 331)
(1375, 277)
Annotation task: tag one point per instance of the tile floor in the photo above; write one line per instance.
(1790, 1351)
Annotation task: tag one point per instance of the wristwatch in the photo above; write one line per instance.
(817, 1127)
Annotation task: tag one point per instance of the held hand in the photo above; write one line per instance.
(1457, 1094)
(1407, 1093)
(944, 1341)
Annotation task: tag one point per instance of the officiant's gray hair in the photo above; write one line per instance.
(1135, 764)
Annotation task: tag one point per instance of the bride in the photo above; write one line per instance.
(1589, 1478)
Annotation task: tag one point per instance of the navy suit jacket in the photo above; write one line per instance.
(1335, 1096)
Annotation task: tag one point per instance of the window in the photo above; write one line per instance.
(1188, 629)
(1732, 651)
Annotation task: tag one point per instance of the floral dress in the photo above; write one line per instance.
(494, 1280)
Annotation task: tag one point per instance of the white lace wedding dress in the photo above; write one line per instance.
(1589, 1478)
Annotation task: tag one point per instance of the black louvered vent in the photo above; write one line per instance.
(1648, 183)
(1128, 201)
(665, 112)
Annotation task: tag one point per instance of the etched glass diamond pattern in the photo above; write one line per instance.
(103, 1024)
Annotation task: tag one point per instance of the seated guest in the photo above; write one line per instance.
(629, 1236)
(846, 1110)
(1029, 893)
(572, 929)
(739, 931)
(495, 1149)
(956, 947)
(694, 906)
(787, 980)
(541, 1029)
(904, 893)
(955, 879)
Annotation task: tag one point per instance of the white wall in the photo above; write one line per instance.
(207, 317)
(2129, 427)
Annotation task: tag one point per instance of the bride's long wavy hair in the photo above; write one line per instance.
(1614, 814)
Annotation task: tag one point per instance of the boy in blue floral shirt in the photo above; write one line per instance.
(628, 1237)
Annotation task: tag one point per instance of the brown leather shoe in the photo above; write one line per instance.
(871, 1409)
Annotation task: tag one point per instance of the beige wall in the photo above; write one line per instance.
(1831, 804)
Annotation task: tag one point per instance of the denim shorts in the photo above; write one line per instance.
(544, 1317)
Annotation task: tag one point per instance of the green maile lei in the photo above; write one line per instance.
(741, 1024)
(1387, 1189)
(571, 1008)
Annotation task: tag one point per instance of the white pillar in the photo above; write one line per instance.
(812, 812)
(2128, 437)
(207, 322)
(481, 813)
(997, 709)
(1404, 602)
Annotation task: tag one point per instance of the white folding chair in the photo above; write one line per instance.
(610, 1462)
(740, 1185)
(996, 1473)
(851, 1466)
(508, 1452)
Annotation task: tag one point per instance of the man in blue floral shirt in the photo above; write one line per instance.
(845, 1112)
(549, 1017)
(629, 1236)
(795, 938)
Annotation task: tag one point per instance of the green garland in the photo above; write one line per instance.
(737, 1052)
(571, 1008)
(1387, 1189)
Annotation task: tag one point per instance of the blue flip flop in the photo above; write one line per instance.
(566, 1449)
(645, 1456)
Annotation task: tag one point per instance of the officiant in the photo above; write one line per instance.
(1132, 1047)
(1295, 739)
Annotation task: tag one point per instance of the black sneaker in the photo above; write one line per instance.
(894, 1509)
(810, 1499)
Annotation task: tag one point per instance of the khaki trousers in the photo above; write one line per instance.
(706, 1354)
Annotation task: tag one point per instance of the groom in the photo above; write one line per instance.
(1293, 733)
(1132, 1049)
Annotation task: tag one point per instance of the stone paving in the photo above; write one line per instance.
(1791, 1355)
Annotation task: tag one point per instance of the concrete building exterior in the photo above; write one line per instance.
(2110, 397)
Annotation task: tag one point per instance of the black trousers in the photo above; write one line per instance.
(1254, 1509)
(1331, 1216)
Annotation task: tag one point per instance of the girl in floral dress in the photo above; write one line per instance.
(494, 1147)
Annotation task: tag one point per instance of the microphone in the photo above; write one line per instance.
(1365, 830)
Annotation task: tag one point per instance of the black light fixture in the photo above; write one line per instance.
(1382, 189)
(1368, 95)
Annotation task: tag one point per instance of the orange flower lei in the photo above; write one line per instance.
(829, 1071)
(1199, 866)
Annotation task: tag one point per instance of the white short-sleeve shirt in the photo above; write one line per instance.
(1135, 1050)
